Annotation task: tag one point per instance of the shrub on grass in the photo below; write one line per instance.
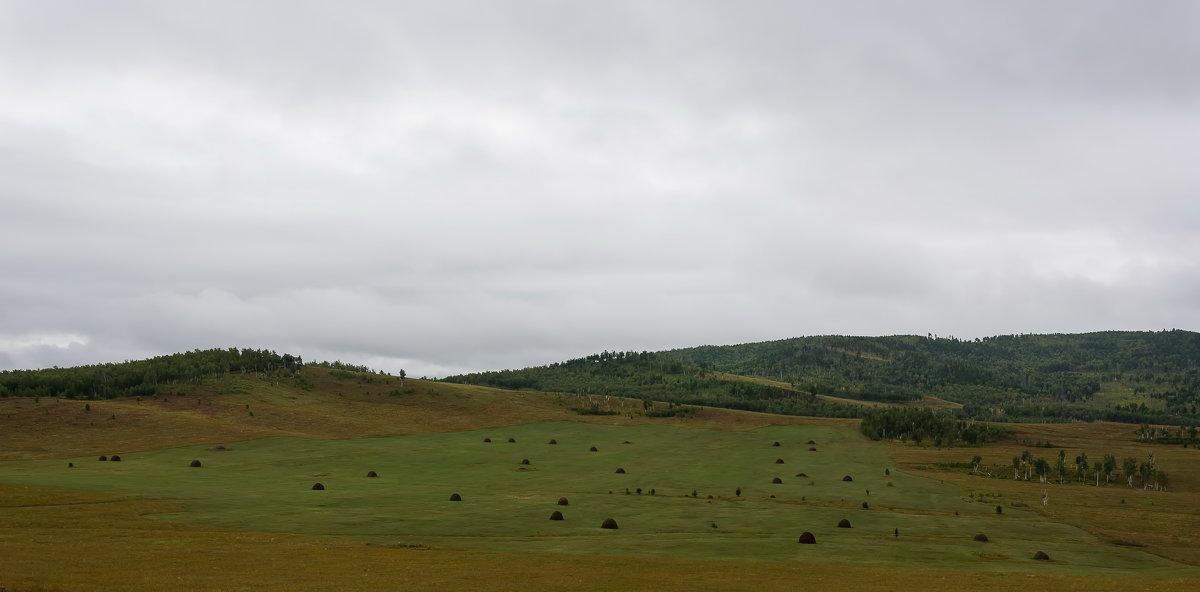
(554, 441)
(593, 449)
(609, 523)
(808, 539)
(195, 464)
(812, 449)
(556, 515)
(810, 443)
(777, 444)
(999, 509)
(801, 474)
(70, 465)
(524, 461)
(487, 440)
(865, 506)
(512, 440)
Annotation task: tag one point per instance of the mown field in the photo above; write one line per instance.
(248, 518)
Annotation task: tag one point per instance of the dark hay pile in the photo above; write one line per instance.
(981, 537)
(1041, 556)
(195, 464)
(556, 515)
(372, 474)
(627, 442)
(318, 487)
(593, 449)
(620, 470)
(454, 497)
(843, 523)
(70, 465)
(488, 440)
(801, 474)
(777, 444)
(865, 506)
(847, 478)
(609, 523)
(810, 443)
(808, 539)
(524, 461)
(562, 501)
(554, 441)
(114, 458)
(219, 447)
(812, 449)
(512, 440)
(777, 480)
(102, 457)
(779, 461)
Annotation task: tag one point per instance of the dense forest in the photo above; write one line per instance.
(655, 377)
(1010, 377)
(140, 377)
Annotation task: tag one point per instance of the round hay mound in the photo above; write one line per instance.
(810, 442)
(865, 506)
(454, 497)
(102, 457)
(981, 537)
(812, 449)
(70, 465)
(1041, 556)
(777, 444)
(609, 523)
(779, 461)
(777, 480)
(801, 474)
(195, 464)
(556, 515)
(627, 442)
(554, 441)
(318, 487)
(512, 440)
(593, 449)
(843, 523)
(524, 461)
(620, 470)
(488, 440)
(562, 501)
(808, 539)
(372, 474)
(219, 447)
(114, 458)
(847, 478)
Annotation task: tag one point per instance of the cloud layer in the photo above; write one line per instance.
(457, 186)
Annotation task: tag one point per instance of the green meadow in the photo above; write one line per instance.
(265, 485)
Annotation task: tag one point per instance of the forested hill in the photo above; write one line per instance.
(655, 377)
(1119, 376)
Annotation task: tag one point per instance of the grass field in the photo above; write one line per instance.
(248, 518)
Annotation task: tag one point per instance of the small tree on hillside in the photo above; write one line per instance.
(402, 375)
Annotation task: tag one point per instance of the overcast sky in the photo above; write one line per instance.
(450, 186)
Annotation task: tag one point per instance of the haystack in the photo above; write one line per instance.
(808, 539)
(810, 442)
(556, 515)
(512, 440)
(372, 474)
(865, 506)
(593, 449)
(777, 480)
(524, 461)
(981, 537)
(102, 457)
(318, 487)
(554, 441)
(847, 478)
(454, 497)
(562, 501)
(843, 523)
(801, 474)
(812, 449)
(487, 440)
(609, 523)
(195, 464)
(779, 461)
(114, 458)
(620, 470)
(1041, 556)
(777, 444)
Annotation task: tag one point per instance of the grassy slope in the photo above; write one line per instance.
(67, 540)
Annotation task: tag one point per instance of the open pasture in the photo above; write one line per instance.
(265, 485)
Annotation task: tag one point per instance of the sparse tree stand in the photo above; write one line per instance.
(402, 375)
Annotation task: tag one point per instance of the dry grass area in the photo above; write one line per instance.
(254, 407)
(72, 541)
(1166, 523)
